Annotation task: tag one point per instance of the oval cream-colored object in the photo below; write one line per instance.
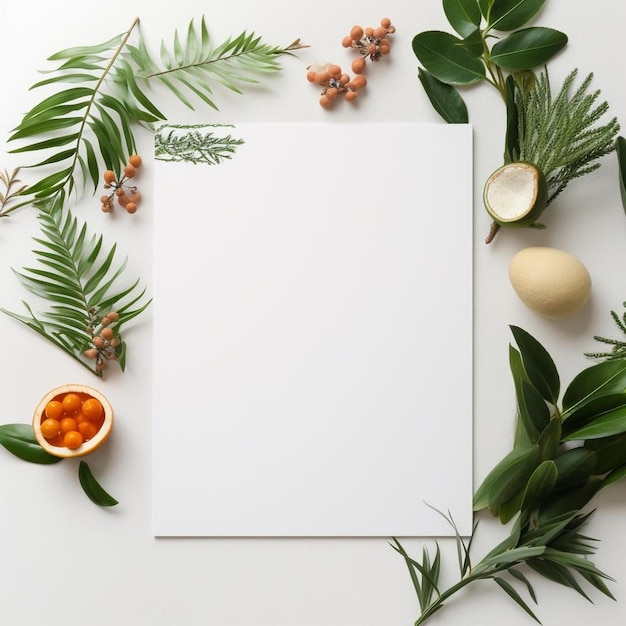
(550, 282)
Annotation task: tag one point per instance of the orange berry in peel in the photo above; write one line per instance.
(50, 428)
(54, 409)
(88, 430)
(67, 424)
(72, 440)
(92, 409)
(71, 402)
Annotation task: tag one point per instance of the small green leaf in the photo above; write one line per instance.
(509, 15)
(445, 99)
(610, 452)
(445, 57)
(539, 366)
(528, 48)
(463, 15)
(92, 487)
(593, 409)
(602, 379)
(605, 425)
(19, 439)
(540, 484)
(508, 588)
(620, 147)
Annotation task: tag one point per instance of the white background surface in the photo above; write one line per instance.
(65, 561)
(326, 337)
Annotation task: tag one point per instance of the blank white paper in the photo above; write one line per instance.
(313, 329)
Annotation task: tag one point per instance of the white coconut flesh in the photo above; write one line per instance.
(512, 191)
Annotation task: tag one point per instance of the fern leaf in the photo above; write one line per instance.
(79, 279)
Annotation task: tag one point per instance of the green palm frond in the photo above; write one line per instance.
(80, 279)
(85, 124)
(193, 63)
(102, 97)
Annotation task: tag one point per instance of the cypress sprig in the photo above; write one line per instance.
(559, 134)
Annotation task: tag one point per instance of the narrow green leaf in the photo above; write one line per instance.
(78, 51)
(445, 57)
(80, 78)
(509, 15)
(539, 366)
(558, 573)
(517, 574)
(614, 476)
(92, 487)
(446, 100)
(620, 147)
(512, 593)
(54, 142)
(46, 126)
(528, 48)
(19, 439)
(570, 501)
(550, 439)
(610, 452)
(533, 410)
(463, 15)
(601, 379)
(605, 425)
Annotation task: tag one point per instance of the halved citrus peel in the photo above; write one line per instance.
(72, 421)
(516, 194)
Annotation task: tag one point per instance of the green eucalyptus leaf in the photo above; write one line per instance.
(620, 147)
(538, 364)
(540, 484)
(509, 475)
(445, 99)
(445, 57)
(528, 48)
(575, 466)
(533, 410)
(507, 15)
(19, 439)
(550, 439)
(601, 379)
(93, 488)
(463, 15)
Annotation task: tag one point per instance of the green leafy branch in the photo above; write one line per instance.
(466, 58)
(20, 441)
(185, 142)
(565, 451)
(78, 277)
(91, 124)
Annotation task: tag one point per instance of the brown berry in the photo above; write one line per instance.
(134, 160)
(113, 316)
(350, 95)
(346, 42)
(356, 33)
(358, 65)
(311, 76)
(98, 342)
(131, 207)
(106, 333)
(92, 353)
(129, 171)
(385, 22)
(109, 176)
(325, 102)
(358, 82)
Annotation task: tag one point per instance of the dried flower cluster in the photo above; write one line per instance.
(371, 43)
(127, 195)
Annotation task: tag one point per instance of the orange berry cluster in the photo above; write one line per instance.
(71, 419)
(127, 195)
(371, 43)
(335, 83)
(104, 340)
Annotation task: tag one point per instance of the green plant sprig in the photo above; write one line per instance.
(91, 124)
(618, 346)
(565, 451)
(193, 143)
(469, 57)
(78, 277)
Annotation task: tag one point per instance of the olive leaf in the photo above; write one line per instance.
(19, 439)
(92, 487)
